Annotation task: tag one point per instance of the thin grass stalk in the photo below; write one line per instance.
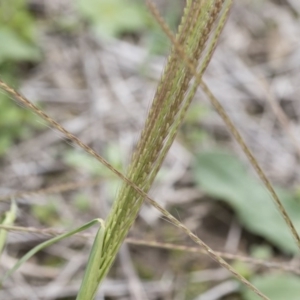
(113, 223)
(55, 189)
(171, 218)
(75, 185)
(202, 68)
(167, 105)
(151, 146)
(232, 128)
(283, 266)
(169, 98)
(163, 89)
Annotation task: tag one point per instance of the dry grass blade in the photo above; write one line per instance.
(172, 219)
(64, 131)
(59, 188)
(246, 259)
(221, 111)
(46, 231)
(283, 266)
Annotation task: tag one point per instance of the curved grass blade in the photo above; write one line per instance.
(47, 244)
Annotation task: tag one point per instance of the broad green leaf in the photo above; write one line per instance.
(225, 178)
(47, 244)
(9, 219)
(275, 286)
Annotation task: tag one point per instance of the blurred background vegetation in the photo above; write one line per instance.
(93, 65)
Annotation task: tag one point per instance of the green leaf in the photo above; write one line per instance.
(242, 268)
(12, 120)
(5, 143)
(46, 214)
(261, 252)
(225, 178)
(275, 286)
(111, 18)
(13, 47)
(83, 161)
(16, 15)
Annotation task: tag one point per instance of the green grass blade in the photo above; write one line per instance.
(47, 244)
(90, 282)
(9, 219)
